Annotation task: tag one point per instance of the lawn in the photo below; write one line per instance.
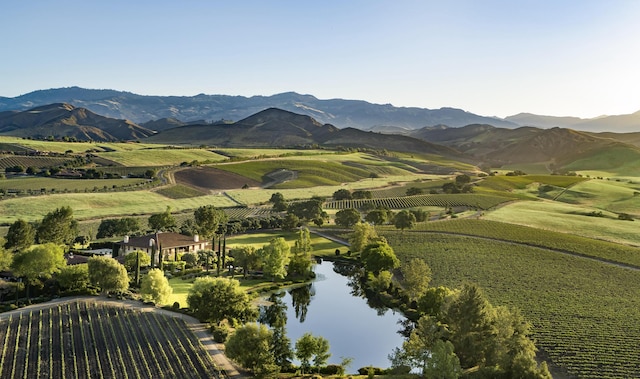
(321, 247)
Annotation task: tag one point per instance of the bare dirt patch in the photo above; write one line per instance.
(209, 178)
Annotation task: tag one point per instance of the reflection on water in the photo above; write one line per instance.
(334, 307)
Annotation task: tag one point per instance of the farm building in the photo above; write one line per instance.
(168, 244)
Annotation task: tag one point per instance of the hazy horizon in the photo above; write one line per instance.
(492, 58)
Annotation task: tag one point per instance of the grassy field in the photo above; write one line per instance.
(567, 218)
(76, 147)
(97, 205)
(610, 195)
(585, 313)
(160, 156)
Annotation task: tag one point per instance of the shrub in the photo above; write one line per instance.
(220, 332)
(330, 370)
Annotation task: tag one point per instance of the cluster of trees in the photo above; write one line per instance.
(461, 184)
(57, 227)
(404, 219)
(299, 212)
(277, 259)
(345, 194)
(452, 330)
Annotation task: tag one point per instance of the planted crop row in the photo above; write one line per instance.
(28, 161)
(88, 340)
(585, 313)
(444, 200)
(538, 237)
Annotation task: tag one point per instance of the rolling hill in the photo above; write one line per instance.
(559, 148)
(63, 120)
(279, 128)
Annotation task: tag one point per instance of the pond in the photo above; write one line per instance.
(329, 307)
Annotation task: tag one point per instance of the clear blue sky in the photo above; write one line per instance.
(572, 57)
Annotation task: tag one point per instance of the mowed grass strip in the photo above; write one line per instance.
(585, 313)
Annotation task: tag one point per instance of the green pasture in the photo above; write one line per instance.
(584, 313)
(568, 218)
(511, 183)
(96, 205)
(529, 168)
(76, 147)
(72, 185)
(161, 156)
(269, 153)
(610, 195)
(619, 160)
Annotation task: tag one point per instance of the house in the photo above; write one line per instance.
(169, 244)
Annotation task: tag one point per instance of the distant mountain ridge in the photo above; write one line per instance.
(341, 113)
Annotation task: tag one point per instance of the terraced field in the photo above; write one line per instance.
(84, 339)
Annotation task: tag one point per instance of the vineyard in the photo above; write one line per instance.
(29, 161)
(479, 201)
(538, 237)
(585, 313)
(84, 339)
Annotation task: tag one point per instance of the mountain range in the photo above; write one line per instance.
(553, 149)
(341, 113)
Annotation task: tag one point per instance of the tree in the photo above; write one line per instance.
(250, 346)
(363, 234)
(310, 347)
(38, 263)
(463, 179)
(347, 218)
(131, 260)
(290, 222)
(361, 194)
(404, 220)
(155, 287)
(245, 257)
(118, 227)
(6, 258)
(379, 256)
(20, 236)
(162, 221)
(300, 263)
(74, 277)
(107, 274)
(342, 194)
(307, 210)
(378, 216)
(279, 205)
(215, 299)
(420, 215)
(208, 219)
(58, 227)
(274, 258)
(470, 320)
(427, 350)
(417, 275)
(414, 191)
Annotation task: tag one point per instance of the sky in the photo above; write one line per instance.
(493, 58)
